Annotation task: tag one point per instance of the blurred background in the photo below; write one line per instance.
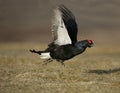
(30, 20)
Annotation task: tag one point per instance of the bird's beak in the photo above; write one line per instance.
(90, 45)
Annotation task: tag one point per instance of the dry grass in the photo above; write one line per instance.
(95, 71)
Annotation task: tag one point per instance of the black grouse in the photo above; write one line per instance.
(65, 44)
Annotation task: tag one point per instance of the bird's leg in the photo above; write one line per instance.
(61, 61)
(47, 61)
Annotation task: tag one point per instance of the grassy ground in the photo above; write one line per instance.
(95, 71)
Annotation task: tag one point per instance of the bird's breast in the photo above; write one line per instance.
(62, 52)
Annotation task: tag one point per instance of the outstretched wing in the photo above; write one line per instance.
(64, 26)
(59, 30)
(70, 23)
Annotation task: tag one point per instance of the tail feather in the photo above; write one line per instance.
(45, 55)
(34, 51)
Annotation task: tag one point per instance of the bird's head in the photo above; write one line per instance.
(84, 43)
(90, 43)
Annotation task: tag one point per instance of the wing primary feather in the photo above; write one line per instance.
(70, 22)
(59, 30)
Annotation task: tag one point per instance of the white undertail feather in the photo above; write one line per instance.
(45, 55)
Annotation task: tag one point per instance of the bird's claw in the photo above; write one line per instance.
(62, 64)
(47, 61)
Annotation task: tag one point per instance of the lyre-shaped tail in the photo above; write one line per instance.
(43, 54)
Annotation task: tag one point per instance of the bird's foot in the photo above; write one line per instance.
(62, 64)
(61, 61)
(47, 61)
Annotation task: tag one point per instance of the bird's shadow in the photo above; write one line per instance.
(98, 71)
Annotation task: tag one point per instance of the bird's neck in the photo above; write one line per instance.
(79, 49)
(80, 46)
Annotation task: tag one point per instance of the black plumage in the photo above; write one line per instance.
(64, 45)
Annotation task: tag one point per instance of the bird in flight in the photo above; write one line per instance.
(64, 45)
